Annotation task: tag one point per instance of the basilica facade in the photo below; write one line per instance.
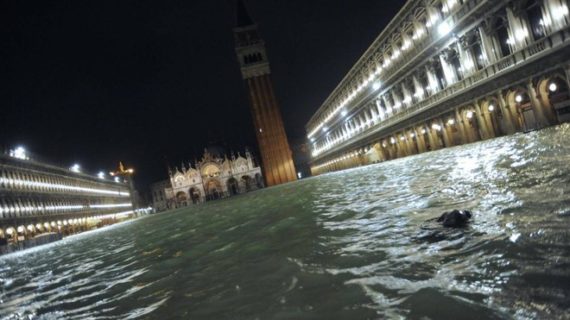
(213, 177)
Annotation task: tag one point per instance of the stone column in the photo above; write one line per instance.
(506, 112)
(536, 105)
(420, 140)
(465, 138)
(483, 130)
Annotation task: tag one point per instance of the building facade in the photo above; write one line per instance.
(213, 177)
(158, 194)
(444, 73)
(276, 156)
(37, 199)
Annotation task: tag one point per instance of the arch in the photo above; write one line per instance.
(526, 118)
(248, 182)
(3, 238)
(195, 195)
(233, 187)
(501, 33)
(492, 116)
(11, 234)
(181, 196)
(534, 14)
(213, 189)
(554, 95)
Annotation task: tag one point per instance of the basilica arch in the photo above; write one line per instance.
(233, 186)
(214, 189)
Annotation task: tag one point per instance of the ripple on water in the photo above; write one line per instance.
(347, 245)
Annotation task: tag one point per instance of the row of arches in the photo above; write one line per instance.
(15, 234)
(214, 189)
(501, 35)
(524, 107)
(24, 180)
(252, 58)
(27, 207)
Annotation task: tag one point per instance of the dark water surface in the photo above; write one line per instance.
(348, 245)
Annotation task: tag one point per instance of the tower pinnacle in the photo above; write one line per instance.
(243, 18)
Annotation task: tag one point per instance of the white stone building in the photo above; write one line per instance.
(444, 73)
(213, 177)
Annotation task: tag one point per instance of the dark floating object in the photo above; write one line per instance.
(455, 218)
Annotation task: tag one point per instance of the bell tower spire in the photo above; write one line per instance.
(276, 157)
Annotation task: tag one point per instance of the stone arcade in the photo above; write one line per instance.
(445, 73)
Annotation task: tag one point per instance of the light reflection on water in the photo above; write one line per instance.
(348, 245)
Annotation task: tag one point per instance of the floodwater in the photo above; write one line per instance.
(347, 245)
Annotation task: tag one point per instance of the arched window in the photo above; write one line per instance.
(534, 14)
(438, 69)
(474, 45)
(456, 63)
(501, 28)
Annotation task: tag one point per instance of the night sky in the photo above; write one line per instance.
(152, 83)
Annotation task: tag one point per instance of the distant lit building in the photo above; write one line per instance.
(444, 73)
(158, 194)
(213, 177)
(38, 198)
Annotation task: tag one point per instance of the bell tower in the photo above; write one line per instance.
(276, 156)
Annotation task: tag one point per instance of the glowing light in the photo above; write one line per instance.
(19, 153)
(402, 138)
(376, 85)
(444, 28)
(299, 175)
(343, 113)
(423, 131)
(325, 129)
(520, 34)
(412, 135)
(117, 179)
(561, 12)
(491, 108)
(552, 87)
(436, 127)
(392, 140)
(75, 168)
(518, 98)
(469, 114)
(101, 175)
(451, 122)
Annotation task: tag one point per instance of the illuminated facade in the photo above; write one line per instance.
(213, 177)
(444, 73)
(276, 156)
(38, 198)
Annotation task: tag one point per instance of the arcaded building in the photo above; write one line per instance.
(444, 73)
(38, 198)
(214, 176)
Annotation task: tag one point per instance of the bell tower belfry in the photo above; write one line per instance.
(276, 157)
